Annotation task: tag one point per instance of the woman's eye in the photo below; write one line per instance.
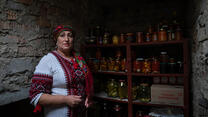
(62, 35)
(70, 35)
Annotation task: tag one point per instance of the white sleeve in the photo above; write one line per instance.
(42, 80)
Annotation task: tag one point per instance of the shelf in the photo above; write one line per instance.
(107, 45)
(158, 43)
(137, 102)
(158, 75)
(104, 96)
(111, 73)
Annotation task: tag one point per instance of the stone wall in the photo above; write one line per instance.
(25, 27)
(199, 58)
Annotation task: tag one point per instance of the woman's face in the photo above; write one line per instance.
(65, 41)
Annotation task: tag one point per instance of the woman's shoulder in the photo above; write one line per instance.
(47, 57)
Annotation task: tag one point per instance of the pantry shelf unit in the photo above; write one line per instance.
(178, 48)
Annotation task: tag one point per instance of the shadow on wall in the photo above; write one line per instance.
(21, 108)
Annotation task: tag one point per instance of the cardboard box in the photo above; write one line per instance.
(167, 94)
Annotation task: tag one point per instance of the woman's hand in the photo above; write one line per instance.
(88, 102)
(73, 100)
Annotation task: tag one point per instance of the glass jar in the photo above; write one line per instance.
(178, 33)
(134, 91)
(129, 37)
(123, 65)
(122, 89)
(117, 65)
(122, 38)
(138, 65)
(103, 64)
(154, 37)
(155, 66)
(111, 64)
(172, 66)
(112, 87)
(139, 37)
(148, 37)
(144, 92)
(162, 35)
(115, 39)
(146, 66)
(163, 62)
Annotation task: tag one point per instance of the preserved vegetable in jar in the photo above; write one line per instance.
(122, 38)
(117, 65)
(162, 35)
(155, 66)
(111, 64)
(139, 65)
(139, 37)
(154, 36)
(115, 39)
(122, 89)
(112, 87)
(144, 92)
(103, 64)
(146, 66)
(123, 65)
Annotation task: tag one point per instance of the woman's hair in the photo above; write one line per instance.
(58, 29)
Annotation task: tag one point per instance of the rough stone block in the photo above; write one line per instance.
(27, 2)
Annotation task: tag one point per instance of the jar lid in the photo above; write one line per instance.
(139, 59)
(163, 52)
(144, 84)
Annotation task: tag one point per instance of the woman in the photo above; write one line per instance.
(62, 82)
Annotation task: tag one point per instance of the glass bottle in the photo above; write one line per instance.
(117, 110)
(122, 89)
(105, 112)
(172, 66)
(163, 62)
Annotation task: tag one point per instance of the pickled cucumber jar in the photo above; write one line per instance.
(112, 87)
(134, 91)
(122, 89)
(144, 92)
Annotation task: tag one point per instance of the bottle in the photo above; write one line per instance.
(117, 111)
(162, 35)
(105, 112)
(172, 66)
(122, 89)
(163, 62)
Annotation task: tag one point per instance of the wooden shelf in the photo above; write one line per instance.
(107, 45)
(158, 75)
(104, 96)
(111, 73)
(136, 102)
(158, 43)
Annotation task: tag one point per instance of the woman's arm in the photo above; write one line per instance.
(52, 100)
